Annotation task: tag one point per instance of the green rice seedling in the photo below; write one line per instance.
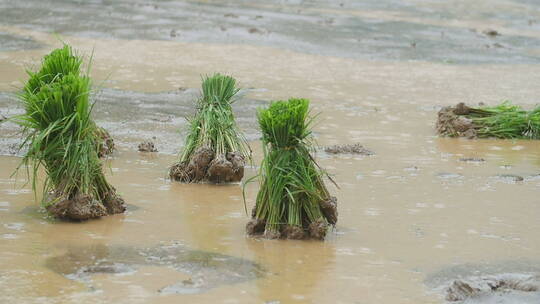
(505, 121)
(60, 62)
(61, 139)
(293, 201)
(215, 148)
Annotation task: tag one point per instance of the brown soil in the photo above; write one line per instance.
(205, 166)
(450, 122)
(84, 207)
(348, 149)
(329, 209)
(147, 146)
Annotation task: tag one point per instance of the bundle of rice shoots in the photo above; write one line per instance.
(293, 201)
(215, 149)
(61, 139)
(505, 121)
(60, 62)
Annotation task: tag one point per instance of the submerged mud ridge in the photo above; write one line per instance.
(505, 283)
(207, 270)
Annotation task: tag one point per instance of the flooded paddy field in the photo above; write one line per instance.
(418, 215)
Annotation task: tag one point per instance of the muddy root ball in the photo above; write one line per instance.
(199, 162)
(451, 124)
(180, 172)
(80, 207)
(294, 232)
(271, 234)
(114, 203)
(226, 170)
(255, 227)
(317, 229)
(329, 210)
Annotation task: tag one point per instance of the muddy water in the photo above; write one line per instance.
(413, 217)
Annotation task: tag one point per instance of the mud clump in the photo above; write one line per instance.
(472, 159)
(451, 122)
(509, 178)
(317, 229)
(329, 210)
(461, 290)
(294, 232)
(348, 149)
(255, 227)
(147, 146)
(84, 207)
(491, 33)
(206, 166)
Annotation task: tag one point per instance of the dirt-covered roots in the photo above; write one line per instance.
(204, 165)
(314, 230)
(84, 207)
(451, 122)
(105, 142)
(329, 210)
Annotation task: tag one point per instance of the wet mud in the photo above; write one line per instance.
(11, 42)
(503, 282)
(348, 149)
(205, 270)
(147, 146)
(361, 30)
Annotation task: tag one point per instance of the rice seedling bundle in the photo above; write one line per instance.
(61, 139)
(215, 148)
(60, 62)
(293, 201)
(502, 121)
